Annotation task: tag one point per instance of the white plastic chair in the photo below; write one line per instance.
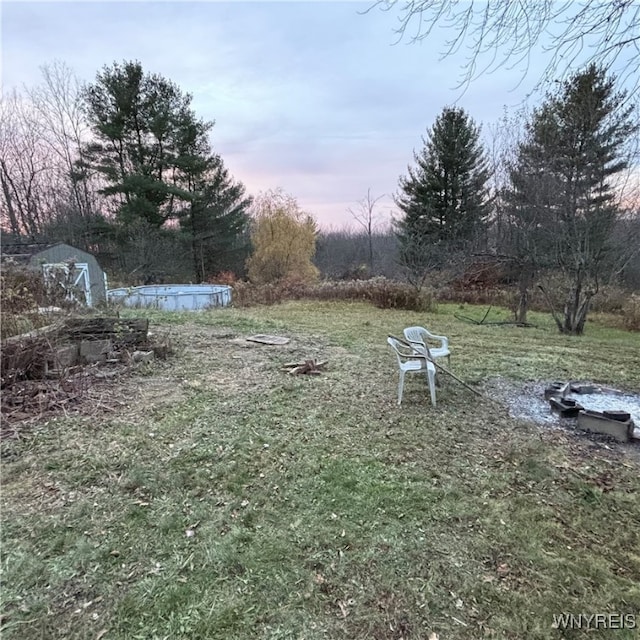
(419, 338)
(410, 360)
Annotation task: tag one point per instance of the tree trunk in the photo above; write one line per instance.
(577, 308)
(525, 280)
(576, 311)
(13, 219)
(194, 244)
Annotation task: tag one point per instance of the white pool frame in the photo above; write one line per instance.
(172, 297)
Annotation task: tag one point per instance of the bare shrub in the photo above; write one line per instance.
(383, 293)
(21, 289)
(631, 312)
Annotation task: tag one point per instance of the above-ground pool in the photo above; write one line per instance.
(173, 297)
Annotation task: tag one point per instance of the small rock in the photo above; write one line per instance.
(142, 356)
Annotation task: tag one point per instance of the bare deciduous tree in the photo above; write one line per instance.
(57, 103)
(365, 215)
(507, 31)
(25, 168)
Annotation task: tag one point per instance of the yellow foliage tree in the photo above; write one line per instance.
(283, 238)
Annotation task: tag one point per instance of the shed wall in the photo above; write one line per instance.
(62, 252)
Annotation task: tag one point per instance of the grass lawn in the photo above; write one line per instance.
(226, 499)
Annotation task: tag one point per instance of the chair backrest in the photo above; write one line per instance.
(394, 344)
(402, 351)
(419, 335)
(416, 334)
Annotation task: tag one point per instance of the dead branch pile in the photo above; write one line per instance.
(486, 272)
(85, 392)
(483, 321)
(29, 398)
(58, 369)
(32, 355)
(120, 331)
(308, 367)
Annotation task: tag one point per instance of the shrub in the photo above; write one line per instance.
(631, 310)
(383, 293)
(611, 299)
(387, 294)
(22, 291)
(223, 277)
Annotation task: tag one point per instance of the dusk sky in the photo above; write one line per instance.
(313, 97)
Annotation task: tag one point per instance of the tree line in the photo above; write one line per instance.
(124, 168)
(557, 208)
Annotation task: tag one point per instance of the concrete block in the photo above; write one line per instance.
(66, 356)
(61, 359)
(597, 422)
(95, 350)
(584, 388)
(566, 407)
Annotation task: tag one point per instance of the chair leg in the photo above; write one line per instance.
(400, 387)
(431, 375)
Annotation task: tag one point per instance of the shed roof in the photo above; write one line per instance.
(26, 251)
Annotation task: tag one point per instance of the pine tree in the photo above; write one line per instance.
(138, 121)
(215, 221)
(444, 197)
(562, 202)
(155, 156)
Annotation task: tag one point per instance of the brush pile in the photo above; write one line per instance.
(55, 368)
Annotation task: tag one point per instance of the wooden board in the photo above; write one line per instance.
(265, 339)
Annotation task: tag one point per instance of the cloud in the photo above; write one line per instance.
(310, 96)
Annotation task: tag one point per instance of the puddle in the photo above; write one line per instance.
(526, 401)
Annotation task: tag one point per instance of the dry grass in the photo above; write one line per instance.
(227, 499)
(381, 292)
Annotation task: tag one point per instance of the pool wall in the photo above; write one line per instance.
(172, 297)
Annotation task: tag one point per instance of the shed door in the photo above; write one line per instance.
(76, 284)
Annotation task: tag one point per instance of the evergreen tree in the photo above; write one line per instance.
(561, 201)
(215, 221)
(444, 197)
(139, 122)
(156, 158)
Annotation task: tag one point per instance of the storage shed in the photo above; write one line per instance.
(88, 275)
